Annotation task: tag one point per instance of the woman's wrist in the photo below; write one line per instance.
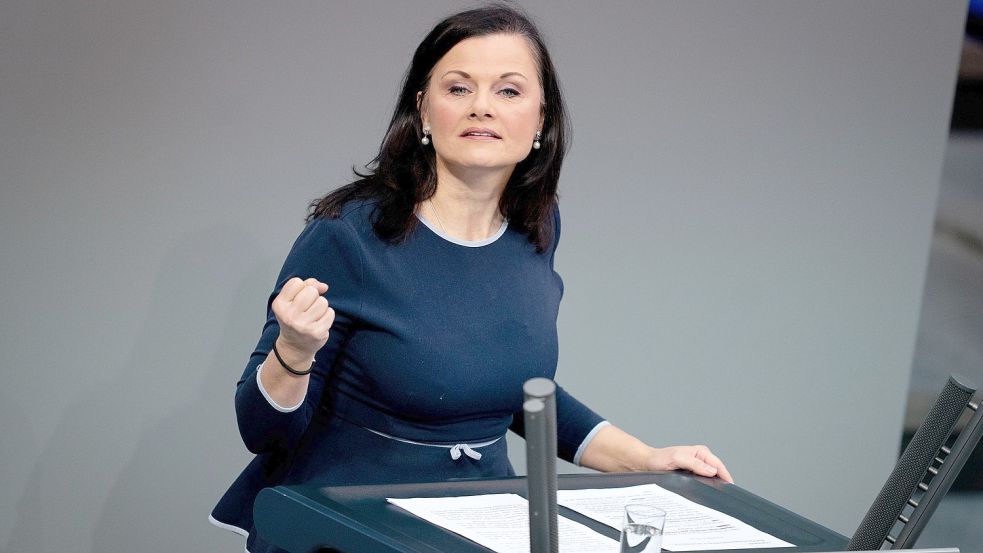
(293, 361)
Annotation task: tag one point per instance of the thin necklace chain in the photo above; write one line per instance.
(436, 215)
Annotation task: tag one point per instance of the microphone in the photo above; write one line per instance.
(539, 412)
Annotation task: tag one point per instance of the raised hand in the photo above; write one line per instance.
(305, 318)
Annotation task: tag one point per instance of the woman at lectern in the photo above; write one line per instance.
(421, 296)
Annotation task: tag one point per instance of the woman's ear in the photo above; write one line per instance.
(420, 108)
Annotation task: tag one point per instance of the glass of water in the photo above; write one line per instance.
(641, 529)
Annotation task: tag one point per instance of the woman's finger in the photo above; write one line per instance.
(317, 309)
(290, 289)
(305, 299)
(722, 471)
(700, 460)
(320, 286)
(327, 317)
(691, 459)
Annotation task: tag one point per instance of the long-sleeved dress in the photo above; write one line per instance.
(422, 373)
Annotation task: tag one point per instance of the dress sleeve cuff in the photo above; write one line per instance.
(583, 445)
(280, 408)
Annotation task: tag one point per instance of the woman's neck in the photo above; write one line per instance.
(466, 209)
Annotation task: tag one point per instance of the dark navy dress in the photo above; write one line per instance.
(422, 372)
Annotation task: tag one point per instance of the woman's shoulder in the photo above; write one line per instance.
(358, 212)
(355, 214)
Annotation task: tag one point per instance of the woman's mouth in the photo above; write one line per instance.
(481, 133)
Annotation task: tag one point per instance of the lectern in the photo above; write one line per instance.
(355, 519)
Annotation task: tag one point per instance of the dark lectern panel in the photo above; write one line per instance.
(358, 518)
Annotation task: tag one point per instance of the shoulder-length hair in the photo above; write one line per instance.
(403, 173)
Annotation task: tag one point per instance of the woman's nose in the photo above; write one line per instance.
(481, 105)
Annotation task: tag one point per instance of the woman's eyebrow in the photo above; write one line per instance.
(512, 74)
(468, 76)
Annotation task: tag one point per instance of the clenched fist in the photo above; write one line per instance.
(305, 318)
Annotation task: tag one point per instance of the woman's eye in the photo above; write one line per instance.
(458, 90)
(509, 92)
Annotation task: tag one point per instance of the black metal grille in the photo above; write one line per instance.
(911, 468)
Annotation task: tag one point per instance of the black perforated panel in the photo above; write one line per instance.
(911, 467)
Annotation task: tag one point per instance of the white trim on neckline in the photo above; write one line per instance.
(466, 243)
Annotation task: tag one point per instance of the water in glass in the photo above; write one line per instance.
(641, 538)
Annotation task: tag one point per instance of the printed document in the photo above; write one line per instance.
(689, 526)
(500, 522)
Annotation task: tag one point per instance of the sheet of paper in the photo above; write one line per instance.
(500, 522)
(689, 526)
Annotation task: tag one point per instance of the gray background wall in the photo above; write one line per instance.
(747, 213)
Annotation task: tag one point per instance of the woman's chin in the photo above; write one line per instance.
(484, 163)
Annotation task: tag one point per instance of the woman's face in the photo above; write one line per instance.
(484, 104)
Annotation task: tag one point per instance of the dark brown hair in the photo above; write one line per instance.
(404, 171)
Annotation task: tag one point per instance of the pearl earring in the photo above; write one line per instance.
(426, 136)
(536, 144)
